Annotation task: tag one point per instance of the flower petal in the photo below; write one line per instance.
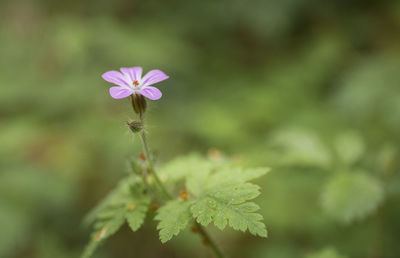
(134, 73)
(151, 93)
(154, 76)
(115, 77)
(120, 92)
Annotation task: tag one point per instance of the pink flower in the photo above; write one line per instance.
(129, 81)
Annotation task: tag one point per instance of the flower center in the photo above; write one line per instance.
(135, 83)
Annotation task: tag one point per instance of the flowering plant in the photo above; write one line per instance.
(214, 190)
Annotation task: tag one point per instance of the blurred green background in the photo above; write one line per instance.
(309, 88)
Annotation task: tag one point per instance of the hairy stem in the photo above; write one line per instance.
(207, 239)
(146, 183)
(150, 163)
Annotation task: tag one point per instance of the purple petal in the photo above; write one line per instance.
(134, 73)
(153, 76)
(119, 92)
(116, 78)
(151, 93)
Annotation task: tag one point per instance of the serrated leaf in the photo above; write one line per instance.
(222, 196)
(174, 217)
(236, 193)
(180, 167)
(238, 216)
(127, 202)
(218, 193)
(201, 182)
(234, 175)
(90, 248)
(112, 198)
(103, 230)
(136, 213)
(349, 196)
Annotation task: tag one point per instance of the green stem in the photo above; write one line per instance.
(209, 241)
(150, 163)
(146, 183)
(168, 196)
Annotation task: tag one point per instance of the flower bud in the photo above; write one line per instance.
(135, 126)
(138, 103)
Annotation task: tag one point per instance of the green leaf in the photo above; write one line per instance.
(228, 206)
(349, 147)
(136, 214)
(325, 253)
(221, 198)
(103, 230)
(200, 182)
(218, 192)
(113, 198)
(174, 217)
(234, 175)
(128, 202)
(349, 196)
(181, 167)
(296, 146)
(360, 99)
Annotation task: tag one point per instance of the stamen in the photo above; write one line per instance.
(135, 83)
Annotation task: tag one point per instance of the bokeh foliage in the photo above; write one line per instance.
(308, 88)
